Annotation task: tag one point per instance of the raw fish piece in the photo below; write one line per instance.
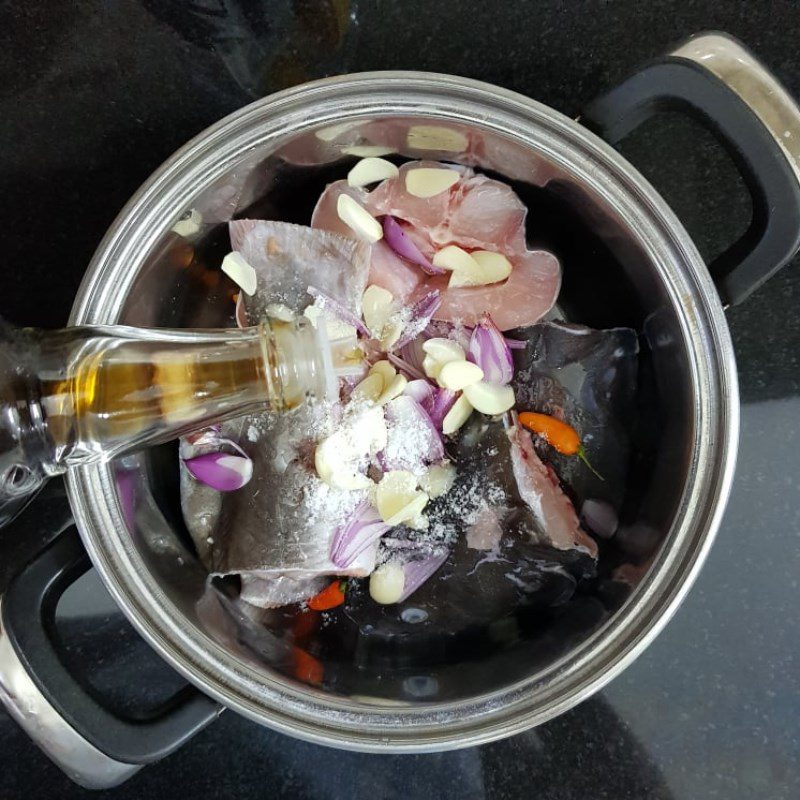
(394, 274)
(428, 213)
(276, 533)
(507, 474)
(476, 213)
(527, 295)
(325, 217)
(471, 603)
(387, 269)
(538, 487)
(518, 562)
(486, 531)
(289, 258)
(588, 378)
(281, 590)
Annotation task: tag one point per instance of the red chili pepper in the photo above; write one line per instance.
(330, 597)
(304, 624)
(558, 434)
(307, 668)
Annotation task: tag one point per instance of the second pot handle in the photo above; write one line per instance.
(715, 78)
(95, 746)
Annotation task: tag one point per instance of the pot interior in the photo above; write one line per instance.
(609, 280)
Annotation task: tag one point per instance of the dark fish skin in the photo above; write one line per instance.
(588, 378)
(475, 590)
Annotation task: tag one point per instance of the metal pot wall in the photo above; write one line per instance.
(629, 262)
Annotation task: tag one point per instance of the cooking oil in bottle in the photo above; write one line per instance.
(86, 394)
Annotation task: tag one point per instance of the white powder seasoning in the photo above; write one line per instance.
(325, 503)
(408, 441)
(460, 508)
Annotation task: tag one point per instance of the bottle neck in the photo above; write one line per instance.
(83, 395)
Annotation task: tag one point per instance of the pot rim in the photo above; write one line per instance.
(309, 713)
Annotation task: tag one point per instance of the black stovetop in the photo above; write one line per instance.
(94, 95)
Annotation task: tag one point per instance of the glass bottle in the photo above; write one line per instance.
(86, 394)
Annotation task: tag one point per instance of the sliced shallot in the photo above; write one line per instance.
(419, 315)
(335, 307)
(363, 528)
(417, 572)
(414, 353)
(423, 392)
(402, 244)
(413, 440)
(404, 366)
(489, 349)
(221, 471)
(444, 401)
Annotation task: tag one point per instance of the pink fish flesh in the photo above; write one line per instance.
(539, 489)
(477, 213)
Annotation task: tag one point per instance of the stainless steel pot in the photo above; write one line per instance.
(271, 157)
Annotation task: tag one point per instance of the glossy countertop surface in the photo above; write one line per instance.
(94, 96)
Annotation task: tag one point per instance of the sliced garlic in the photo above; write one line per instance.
(367, 430)
(386, 583)
(371, 170)
(457, 415)
(456, 259)
(358, 219)
(368, 150)
(490, 398)
(391, 332)
(455, 375)
(436, 137)
(392, 389)
(377, 306)
(495, 267)
(483, 268)
(463, 278)
(280, 312)
(397, 498)
(372, 425)
(444, 350)
(427, 182)
(438, 479)
(431, 367)
(240, 272)
(385, 370)
(335, 469)
(339, 456)
(411, 510)
(396, 481)
(369, 389)
(189, 225)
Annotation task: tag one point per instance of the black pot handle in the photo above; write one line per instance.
(716, 79)
(96, 747)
